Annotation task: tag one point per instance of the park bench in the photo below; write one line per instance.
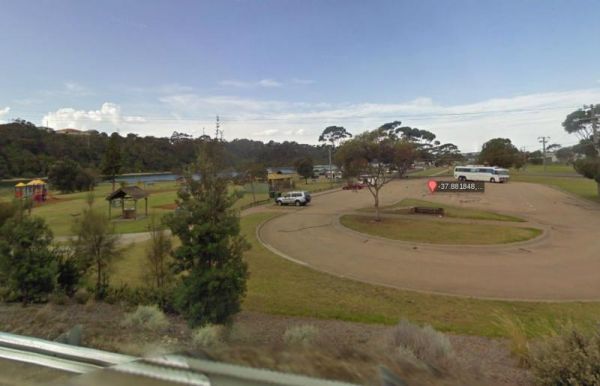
(427, 210)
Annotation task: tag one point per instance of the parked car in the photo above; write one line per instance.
(293, 198)
(354, 186)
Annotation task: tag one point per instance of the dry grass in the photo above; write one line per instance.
(423, 343)
(302, 336)
(208, 337)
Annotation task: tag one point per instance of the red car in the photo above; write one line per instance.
(354, 186)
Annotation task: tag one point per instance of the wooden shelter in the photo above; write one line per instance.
(128, 194)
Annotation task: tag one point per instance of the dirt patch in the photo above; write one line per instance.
(343, 350)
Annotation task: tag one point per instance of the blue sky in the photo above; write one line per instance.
(466, 70)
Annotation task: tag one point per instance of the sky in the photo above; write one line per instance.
(282, 70)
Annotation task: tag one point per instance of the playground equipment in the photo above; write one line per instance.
(36, 190)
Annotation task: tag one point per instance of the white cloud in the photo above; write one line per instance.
(266, 83)
(108, 116)
(68, 89)
(265, 133)
(302, 81)
(4, 111)
(269, 83)
(521, 118)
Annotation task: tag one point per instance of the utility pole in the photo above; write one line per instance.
(218, 125)
(543, 141)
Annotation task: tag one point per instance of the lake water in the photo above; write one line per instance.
(159, 177)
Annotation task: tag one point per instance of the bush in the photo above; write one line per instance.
(572, 358)
(81, 296)
(68, 176)
(425, 343)
(146, 317)
(68, 276)
(58, 298)
(28, 262)
(209, 336)
(303, 335)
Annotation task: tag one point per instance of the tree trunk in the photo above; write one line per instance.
(377, 215)
(598, 187)
(113, 183)
(99, 278)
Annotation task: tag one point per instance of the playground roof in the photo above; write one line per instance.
(20, 185)
(36, 182)
(134, 192)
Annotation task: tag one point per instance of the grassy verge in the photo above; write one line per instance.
(449, 210)
(550, 169)
(277, 286)
(581, 187)
(437, 171)
(438, 232)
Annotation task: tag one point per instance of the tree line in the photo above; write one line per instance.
(29, 151)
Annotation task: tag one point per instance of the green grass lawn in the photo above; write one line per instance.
(62, 209)
(550, 169)
(316, 186)
(438, 231)
(278, 286)
(436, 171)
(579, 186)
(449, 210)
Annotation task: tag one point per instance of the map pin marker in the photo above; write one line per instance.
(432, 184)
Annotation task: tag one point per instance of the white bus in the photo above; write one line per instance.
(481, 173)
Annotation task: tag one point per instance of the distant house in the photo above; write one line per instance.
(471, 158)
(69, 131)
(321, 170)
(281, 177)
(551, 156)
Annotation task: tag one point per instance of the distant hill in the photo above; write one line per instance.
(28, 151)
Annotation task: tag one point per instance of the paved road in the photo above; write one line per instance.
(564, 264)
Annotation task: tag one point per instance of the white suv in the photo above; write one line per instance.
(293, 198)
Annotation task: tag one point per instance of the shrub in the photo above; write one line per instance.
(68, 276)
(425, 343)
(571, 358)
(209, 336)
(58, 297)
(68, 176)
(27, 260)
(146, 317)
(81, 296)
(303, 335)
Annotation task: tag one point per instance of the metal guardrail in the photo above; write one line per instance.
(97, 367)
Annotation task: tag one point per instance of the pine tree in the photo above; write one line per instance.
(111, 163)
(211, 252)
